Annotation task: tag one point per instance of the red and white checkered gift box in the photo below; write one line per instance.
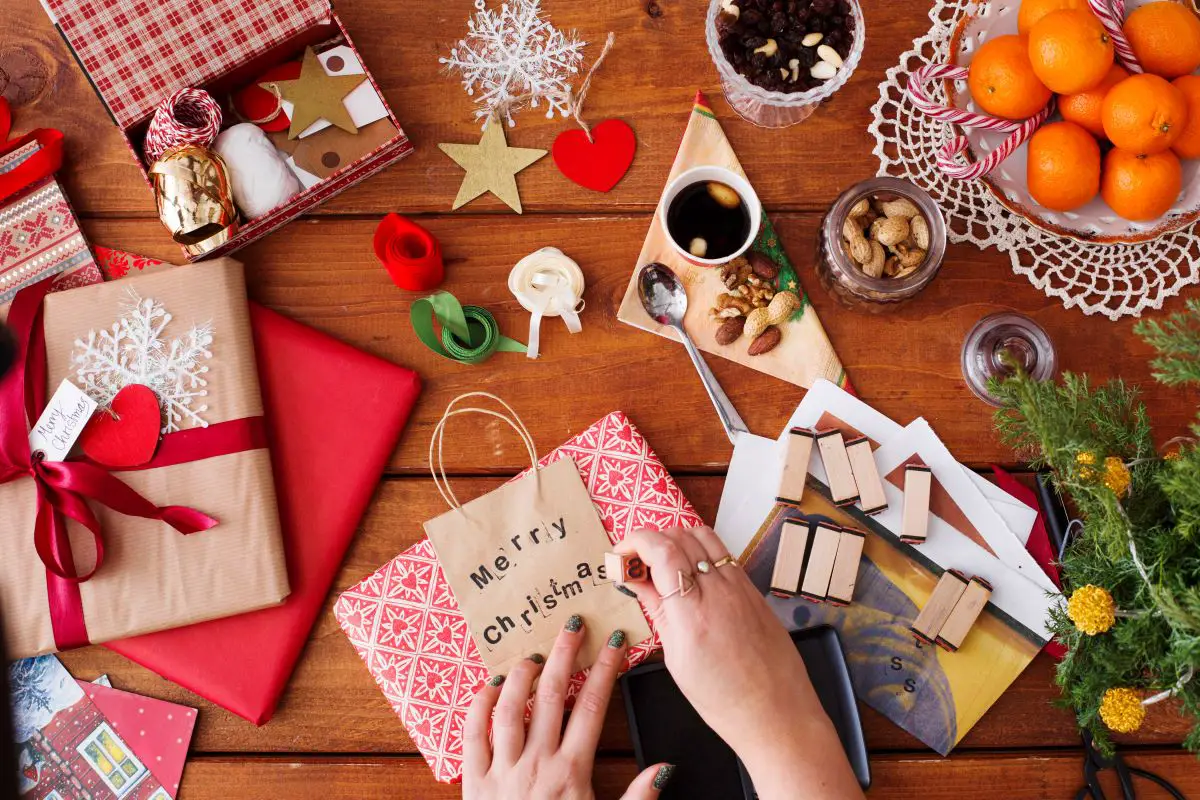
(138, 52)
(39, 236)
(405, 623)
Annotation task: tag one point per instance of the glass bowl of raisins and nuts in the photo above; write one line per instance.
(881, 243)
(779, 59)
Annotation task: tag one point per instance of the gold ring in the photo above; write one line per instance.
(686, 585)
(725, 562)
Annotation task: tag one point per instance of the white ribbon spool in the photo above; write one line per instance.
(548, 284)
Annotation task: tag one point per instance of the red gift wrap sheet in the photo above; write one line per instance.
(316, 393)
(407, 628)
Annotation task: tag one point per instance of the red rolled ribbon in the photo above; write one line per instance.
(411, 255)
(63, 488)
(42, 164)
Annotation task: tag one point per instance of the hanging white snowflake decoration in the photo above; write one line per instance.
(514, 56)
(134, 352)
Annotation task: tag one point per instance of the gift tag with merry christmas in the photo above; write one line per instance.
(523, 558)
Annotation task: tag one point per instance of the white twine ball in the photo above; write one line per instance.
(261, 178)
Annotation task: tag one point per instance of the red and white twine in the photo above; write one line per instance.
(1111, 14)
(188, 117)
(948, 155)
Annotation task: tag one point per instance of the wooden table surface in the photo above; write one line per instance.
(334, 736)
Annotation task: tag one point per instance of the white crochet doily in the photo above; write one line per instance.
(1113, 280)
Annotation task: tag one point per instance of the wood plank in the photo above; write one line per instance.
(1019, 776)
(332, 704)
(659, 62)
(905, 363)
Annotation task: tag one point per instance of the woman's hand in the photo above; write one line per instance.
(546, 762)
(737, 665)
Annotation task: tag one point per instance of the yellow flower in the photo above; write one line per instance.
(1087, 474)
(1174, 455)
(1085, 458)
(1122, 710)
(1116, 475)
(1092, 610)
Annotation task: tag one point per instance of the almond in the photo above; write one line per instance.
(767, 341)
(730, 330)
(764, 267)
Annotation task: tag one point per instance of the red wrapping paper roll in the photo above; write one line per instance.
(411, 255)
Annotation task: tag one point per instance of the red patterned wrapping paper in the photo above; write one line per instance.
(405, 623)
(39, 235)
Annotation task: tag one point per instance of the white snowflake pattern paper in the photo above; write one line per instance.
(513, 56)
(133, 351)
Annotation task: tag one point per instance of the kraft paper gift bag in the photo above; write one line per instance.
(523, 558)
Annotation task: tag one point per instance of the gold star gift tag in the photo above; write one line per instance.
(491, 166)
(317, 95)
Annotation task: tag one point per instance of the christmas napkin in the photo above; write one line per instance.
(804, 354)
(212, 461)
(406, 625)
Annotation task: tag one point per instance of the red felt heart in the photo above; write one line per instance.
(600, 163)
(128, 436)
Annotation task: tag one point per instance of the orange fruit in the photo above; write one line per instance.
(1140, 187)
(1033, 10)
(1063, 170)
(1144, 114)
(1165, 37)
(1070, 50)
(1188, 143)
(1084, 108)
(1002, 82)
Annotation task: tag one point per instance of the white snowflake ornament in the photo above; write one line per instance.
(134, 352)
(513, 56)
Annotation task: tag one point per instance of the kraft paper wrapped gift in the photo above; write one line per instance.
(153, 577)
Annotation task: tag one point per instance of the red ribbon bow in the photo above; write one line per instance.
(42, 164)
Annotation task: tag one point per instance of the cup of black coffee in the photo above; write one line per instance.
(711, 215)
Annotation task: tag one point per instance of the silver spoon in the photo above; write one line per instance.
(666, 302)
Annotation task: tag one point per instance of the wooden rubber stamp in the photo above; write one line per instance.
(789, 558)
(966, 611)
(845, 566)
(624, 567)
(866, 476)
(821, 555)
(795, 466)
(936, 611)
(842, 488)
(918, 484)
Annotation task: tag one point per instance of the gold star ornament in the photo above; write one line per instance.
(317, 95)
(491, 166)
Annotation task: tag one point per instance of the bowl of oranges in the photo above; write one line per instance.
(1119, 159)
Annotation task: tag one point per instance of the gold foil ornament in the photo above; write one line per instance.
(195, 201)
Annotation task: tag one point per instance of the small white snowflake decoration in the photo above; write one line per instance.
(134, 352)
(514, 56)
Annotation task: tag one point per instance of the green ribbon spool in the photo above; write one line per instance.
(470, 334)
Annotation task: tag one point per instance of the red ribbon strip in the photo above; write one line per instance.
(411, 255)
(63, 488)
(42, 164)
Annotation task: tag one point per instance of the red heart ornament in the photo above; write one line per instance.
(129, 435)
(600, 163)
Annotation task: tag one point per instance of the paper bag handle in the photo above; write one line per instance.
(438, 468)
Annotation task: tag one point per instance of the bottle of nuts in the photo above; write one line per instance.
(881, 243)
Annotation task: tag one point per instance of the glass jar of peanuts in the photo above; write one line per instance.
(881, 243)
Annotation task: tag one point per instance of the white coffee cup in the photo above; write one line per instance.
(702, 175)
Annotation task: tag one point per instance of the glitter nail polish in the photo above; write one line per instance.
(574, 624)
(616, 639)
(538, 658)
(495, 680)
(664, 776)
(624, 591)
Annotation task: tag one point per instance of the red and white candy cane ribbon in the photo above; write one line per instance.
(948, 156)
(190, 116)
(1111, 14)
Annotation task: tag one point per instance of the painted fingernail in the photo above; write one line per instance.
(574, 624)
(664, 776)
(495, 680)
(538, 658)
(624, 591)
(616, 639)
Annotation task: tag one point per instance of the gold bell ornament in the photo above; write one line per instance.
(195, 201)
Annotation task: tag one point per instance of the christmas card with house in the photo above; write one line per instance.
(164, 514)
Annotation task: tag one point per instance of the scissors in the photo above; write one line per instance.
(1094, 764)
